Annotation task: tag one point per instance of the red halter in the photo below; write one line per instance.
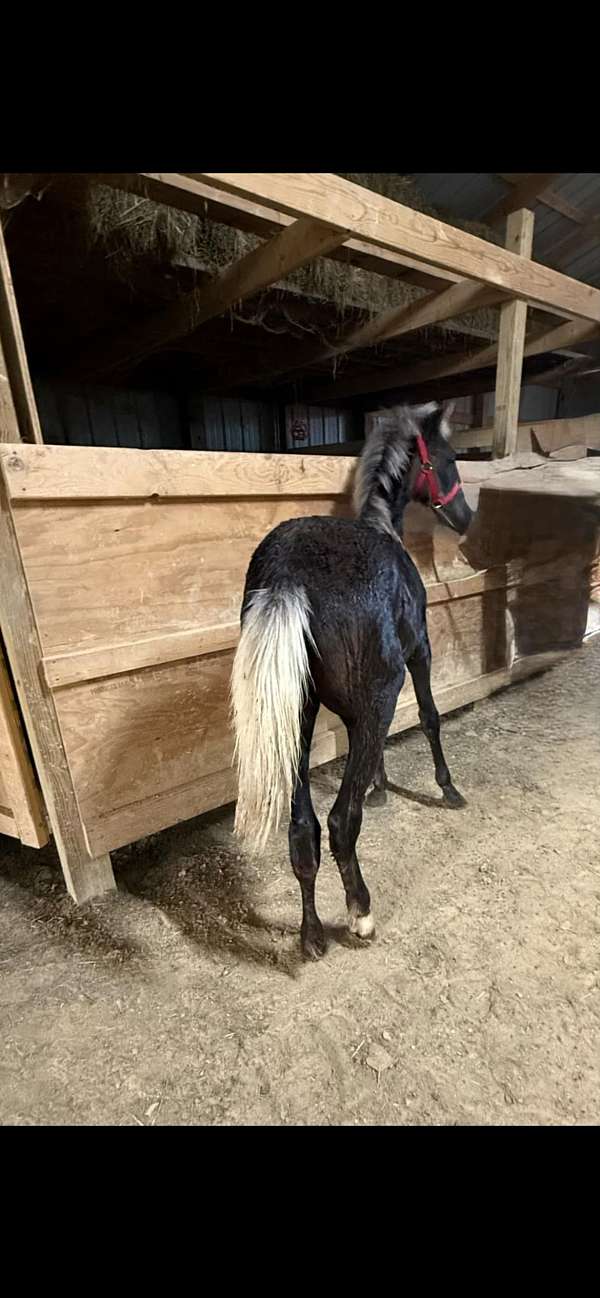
(427, 480)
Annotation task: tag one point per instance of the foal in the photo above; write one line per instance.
(334, 613)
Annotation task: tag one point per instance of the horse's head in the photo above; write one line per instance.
(437, 480)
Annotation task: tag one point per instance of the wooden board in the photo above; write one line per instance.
(13, 364)
(448, 364)
(134, 563)
(182, 191)
(547, 434)
(286, 251)
(85, 875)
(511, 339)
(387, 224)
(21, 804)
(9, 428)
(93, 473)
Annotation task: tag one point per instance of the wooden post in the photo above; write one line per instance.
(18, 411)
(9, 428)
(511, 341)
(85, 876)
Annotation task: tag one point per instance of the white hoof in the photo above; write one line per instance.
(362, 925)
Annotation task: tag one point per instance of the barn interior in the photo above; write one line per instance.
(187, 360)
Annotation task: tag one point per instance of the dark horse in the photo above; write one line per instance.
(334, 613)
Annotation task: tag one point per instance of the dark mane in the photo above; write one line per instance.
(385, 463)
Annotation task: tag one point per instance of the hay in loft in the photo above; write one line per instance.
(131, 230)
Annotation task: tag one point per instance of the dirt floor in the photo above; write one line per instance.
(183, 998)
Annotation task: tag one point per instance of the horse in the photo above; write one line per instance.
(333, 612)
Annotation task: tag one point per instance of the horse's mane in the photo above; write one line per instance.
(385, 463)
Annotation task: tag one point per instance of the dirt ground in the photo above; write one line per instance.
(183, 998)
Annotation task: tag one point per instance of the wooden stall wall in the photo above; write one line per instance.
(21, 805)
(133, 566)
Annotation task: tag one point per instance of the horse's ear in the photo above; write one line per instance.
(423, 412)
(445, 416)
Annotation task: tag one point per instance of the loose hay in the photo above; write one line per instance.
(131, 229)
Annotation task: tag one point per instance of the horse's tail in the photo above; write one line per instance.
(268, 687)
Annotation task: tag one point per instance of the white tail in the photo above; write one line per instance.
(268, 687)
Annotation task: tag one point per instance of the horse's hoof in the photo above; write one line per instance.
(377, 798)
(313, 944)
(453, 798)
(362, 926)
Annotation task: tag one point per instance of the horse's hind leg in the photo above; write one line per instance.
(305, 841)
(345, 818)
(419, 667)
(378, 795)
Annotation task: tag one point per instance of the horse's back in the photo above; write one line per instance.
(332, 558)
(366, 598)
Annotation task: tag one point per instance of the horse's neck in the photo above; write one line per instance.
(399, 505)
(387, 515)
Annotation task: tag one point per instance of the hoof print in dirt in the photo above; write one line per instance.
(453, 798)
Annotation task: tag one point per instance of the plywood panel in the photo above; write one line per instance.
(105, 573)
(18, 411)
(21, 806)
(194, 797)
(4, 793)
(101, 473)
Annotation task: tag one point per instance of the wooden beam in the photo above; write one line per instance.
(550, 433)
(429, 310)
(106, 473)
(286, 251)
(522, 195)
(568, 247)
(362, 214)
(426, 371)
(15, 382)
(442, 390)
(578, 368)
(511, 340)
(9, 427)
(551, 198)
(188, 194)
(417, 315)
